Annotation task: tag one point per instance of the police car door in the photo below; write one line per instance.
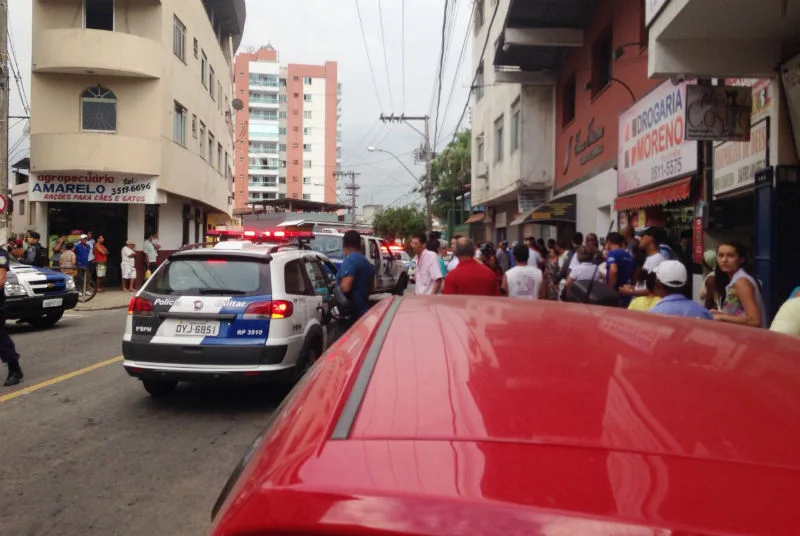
(322, 295)
(300, 292)
(374, 256)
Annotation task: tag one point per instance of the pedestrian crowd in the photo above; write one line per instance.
(640, 271)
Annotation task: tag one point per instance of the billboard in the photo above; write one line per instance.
(92, 188)
(718, 113)
(652, 145)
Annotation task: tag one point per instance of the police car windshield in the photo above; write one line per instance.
(192, 277)
(328, 245)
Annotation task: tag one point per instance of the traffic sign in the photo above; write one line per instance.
(3, 204)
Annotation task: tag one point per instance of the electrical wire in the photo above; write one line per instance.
(385, 60)
(441, 74)
(459, 64)
(403, 40)
(17, 73)
(369, 61)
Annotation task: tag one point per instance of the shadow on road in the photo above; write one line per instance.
(207, 398)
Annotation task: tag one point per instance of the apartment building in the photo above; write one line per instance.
(131, 129)
(287, 131)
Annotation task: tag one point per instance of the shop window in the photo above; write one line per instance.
(601, 61)
(568, 96)
(99, 14)
(98, 110)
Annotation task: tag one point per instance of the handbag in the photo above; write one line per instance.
(101, 269)
(147, 274)
(593, 292)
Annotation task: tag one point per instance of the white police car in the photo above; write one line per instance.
(237, 310)
(38, 296)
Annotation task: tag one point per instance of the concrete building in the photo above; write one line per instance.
(131, 128)
(288, 131)
(513, 141)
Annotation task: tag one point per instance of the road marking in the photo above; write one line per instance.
(59, 379)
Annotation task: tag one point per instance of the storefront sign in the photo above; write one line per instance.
(527, 200)
(762, 91)
(736, 162)
(501, 219)
(790, 72)
(652, 147)
(586, 148)
(699, 241)
(718, 113)
(652, 8)
(93, 188)
(559, 209)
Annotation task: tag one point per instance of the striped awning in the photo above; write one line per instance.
(677, 191)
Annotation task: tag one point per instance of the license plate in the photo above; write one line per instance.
(53, 302)
(197, 328)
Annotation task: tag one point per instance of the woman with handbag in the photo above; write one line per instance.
(100, 260)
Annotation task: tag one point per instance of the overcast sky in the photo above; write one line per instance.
(330, 31)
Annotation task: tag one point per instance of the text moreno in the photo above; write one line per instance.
(659, 128)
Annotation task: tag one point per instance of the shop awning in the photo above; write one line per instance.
(475, 218)
(562, 209)
(676, 191)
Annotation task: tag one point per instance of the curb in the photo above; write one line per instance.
(104, 308)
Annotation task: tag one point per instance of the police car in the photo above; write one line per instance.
(236, 310)
(391, 275)
(38, 296)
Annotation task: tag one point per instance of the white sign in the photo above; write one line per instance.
(651, 10)
(93, 188)
(501, 219)
(652, 145)
(790, 71)
(718, 113)
(736, 162)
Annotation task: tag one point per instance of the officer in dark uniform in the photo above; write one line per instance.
(8, 353)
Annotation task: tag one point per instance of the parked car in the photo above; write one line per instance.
(236, 311)
(434, 417)
(390, 276)
(38, 296)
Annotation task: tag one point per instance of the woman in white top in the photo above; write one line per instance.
(740, 299)
(523, 281)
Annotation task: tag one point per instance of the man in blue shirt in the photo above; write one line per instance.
(671, 279)
(355, 277)
(619, 265)
(82, 252)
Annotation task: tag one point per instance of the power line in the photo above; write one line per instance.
(459, 64)
(385, 60)
(369, 61)
(403, 32)
(441, 73)
(18, 75)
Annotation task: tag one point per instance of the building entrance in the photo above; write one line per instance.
(110, 220)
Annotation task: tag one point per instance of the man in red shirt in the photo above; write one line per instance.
(470, 277)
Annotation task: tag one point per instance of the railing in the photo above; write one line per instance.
(264, 100)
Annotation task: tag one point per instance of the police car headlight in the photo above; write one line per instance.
(70, 284)
(15, 289)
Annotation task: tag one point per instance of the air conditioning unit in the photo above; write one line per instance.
(482, 170)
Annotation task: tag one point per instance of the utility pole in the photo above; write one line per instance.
(352, 188)
(423, 153)
(4, 78)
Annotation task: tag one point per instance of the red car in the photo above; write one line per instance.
(466, 415)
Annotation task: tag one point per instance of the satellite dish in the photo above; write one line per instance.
(237, 104)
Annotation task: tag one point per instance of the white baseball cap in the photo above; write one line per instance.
(671, 274)
(84, 236)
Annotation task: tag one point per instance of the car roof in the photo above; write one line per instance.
(260, 251)
(439, 415)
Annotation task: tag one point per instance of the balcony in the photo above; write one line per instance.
(96, 52)
(263, 170)
(101, 153)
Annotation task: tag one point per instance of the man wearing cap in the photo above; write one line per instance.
(649, 243)
(82, 253)
(128, 266)
(671, 278)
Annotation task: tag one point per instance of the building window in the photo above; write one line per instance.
(307, 164)
(226, 163)
(306, 197)
(601, 61)
(282, 147)
(281, 180)
(498, 139)
(98, 110)
(99, 14)
(219, 157)
(282, 99)
(307, 80)
(219, 95)
(179, 39)
(281, 115)
(194, 125)
(211, 81)
(179, 124)
(282, 131)
(203, 68)
(479, 83)
(569, 94)
(307, 147)
(306, 180)
(196, 47)
(202, 138)
(480, 153)
(515, 125)
(307, 114)
(211, 149)
(307, 131)
(307, 97)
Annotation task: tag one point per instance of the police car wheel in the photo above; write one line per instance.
(45, 321)
(159, 388)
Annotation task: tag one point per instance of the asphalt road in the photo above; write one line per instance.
(94, 454)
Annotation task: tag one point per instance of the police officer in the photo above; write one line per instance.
(8, 353)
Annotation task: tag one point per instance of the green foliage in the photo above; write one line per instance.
(400, 222)
(451, 172)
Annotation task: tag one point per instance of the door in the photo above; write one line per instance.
(322, 296)
(764, 237)
(300, 292)
(374, 256)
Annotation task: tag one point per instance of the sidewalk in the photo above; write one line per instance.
(108, 299)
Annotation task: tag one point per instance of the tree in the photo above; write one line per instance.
(451, 172)
(400, 222)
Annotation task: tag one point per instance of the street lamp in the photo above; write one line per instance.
(379, 150)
